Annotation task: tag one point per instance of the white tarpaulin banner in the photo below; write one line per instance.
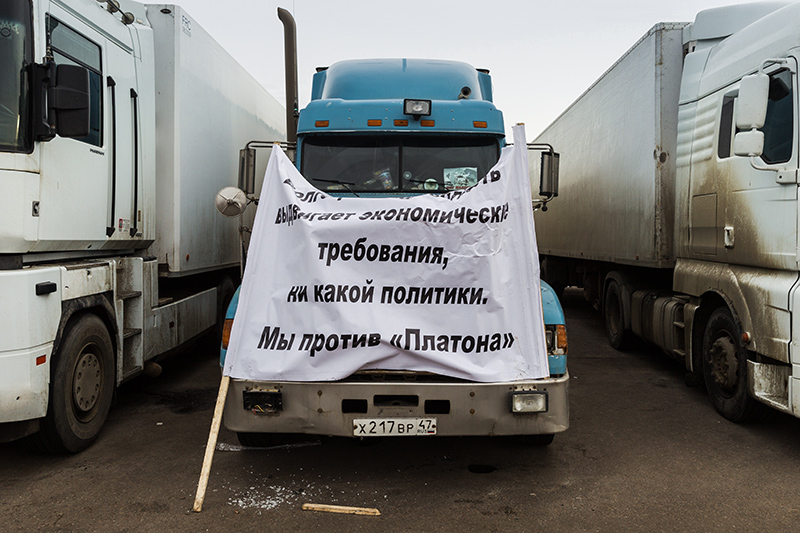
(444, 283)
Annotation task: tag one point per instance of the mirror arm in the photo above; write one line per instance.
(754, 163)
(541, 203)
(247, 163)
(784, 173)
(42, 79)
(783, 61)
(541, 146)
(285, 145)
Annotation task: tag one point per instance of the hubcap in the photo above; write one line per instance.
(724, 365)
(87, 381)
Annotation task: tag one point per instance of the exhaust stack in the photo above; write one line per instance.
(290, 62)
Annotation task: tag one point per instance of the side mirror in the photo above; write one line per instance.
(231, 201)
(751, 106)
(749, 143)
(61, 102)
(751, 113)
(69, 101)
(247, 170)
(548, 181)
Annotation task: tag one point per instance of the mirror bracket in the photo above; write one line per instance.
(42, 79)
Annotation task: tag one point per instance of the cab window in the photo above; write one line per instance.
(16, 54)
(70, 47)
(778, 127)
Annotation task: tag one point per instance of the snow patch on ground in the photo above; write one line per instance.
(266, 498)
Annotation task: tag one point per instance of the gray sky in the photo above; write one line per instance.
(542, 54)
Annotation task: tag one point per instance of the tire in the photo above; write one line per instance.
(81, 387)
(613, 306)
(725, 369)
(256, 440)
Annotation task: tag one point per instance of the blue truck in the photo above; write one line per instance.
(433, 126)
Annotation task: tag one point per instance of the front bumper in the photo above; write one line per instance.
(29, 319)
(326, 408)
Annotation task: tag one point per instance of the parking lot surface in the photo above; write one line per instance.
(644, 452)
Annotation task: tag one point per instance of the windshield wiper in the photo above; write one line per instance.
(345, 184)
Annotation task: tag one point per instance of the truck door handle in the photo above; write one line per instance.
(46, 287)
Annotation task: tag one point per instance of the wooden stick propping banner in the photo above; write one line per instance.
(211, 445)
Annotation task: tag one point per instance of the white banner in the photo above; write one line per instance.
(444, 283)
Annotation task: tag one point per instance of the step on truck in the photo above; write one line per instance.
(678, 212)
(118, 122)
(407, 113)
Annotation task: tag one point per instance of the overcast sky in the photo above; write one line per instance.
(542, 54)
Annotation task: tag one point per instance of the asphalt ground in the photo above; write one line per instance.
(644, 453)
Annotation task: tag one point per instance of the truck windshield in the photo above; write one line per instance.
(393, 164)
(15, 55)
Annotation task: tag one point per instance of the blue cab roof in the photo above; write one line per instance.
(386, 79)
(350, 93)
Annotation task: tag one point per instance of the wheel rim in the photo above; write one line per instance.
(724, 364)
(86, 383)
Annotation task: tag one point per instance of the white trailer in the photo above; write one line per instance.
(116, 129)
(679, 201)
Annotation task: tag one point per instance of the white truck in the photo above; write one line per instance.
(678, 209)
(118, 124)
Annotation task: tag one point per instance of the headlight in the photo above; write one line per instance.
(417, 107)
(529, 402)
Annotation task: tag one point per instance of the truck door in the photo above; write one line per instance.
(86, 183)
(760, 224)
(124, 141)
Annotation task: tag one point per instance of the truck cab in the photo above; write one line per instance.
(402, 127)
(398, 127)
(111, 255)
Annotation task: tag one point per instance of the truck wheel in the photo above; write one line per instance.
(725, 369)
(81, 387)
(618, 336)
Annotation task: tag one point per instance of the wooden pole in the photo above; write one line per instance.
(340, 509)
(211, 445)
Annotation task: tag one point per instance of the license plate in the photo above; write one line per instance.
(376, 427)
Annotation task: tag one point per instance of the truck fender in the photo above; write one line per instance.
(99, 304)
(751, 297)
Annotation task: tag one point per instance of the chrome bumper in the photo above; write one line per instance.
(327, 408)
